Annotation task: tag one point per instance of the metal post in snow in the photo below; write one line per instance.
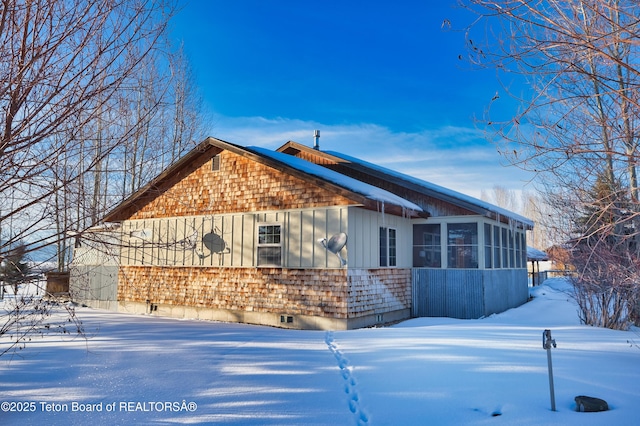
(547, 342)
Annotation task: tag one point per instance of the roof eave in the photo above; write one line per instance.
(159, 183)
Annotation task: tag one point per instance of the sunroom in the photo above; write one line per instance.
(467, 266)
(468, 242)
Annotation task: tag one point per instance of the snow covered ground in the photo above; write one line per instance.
(436, 371)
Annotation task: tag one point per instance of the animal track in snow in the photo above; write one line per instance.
(350, 384)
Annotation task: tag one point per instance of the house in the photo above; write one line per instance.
(303, 238)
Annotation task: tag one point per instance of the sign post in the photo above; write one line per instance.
(547, 342)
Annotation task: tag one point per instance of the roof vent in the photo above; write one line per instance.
(316, 139)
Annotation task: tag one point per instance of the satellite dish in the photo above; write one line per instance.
(214, 242)
(335, 244)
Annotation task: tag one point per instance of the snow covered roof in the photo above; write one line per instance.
(436, 190)
(368, 195)
(535, 254)
(339, 179)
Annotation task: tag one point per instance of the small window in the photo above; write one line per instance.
(215, 163)
(269, 245)
(392, 247)
(388, 247)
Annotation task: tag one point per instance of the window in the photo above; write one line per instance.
(523, 244)
(426, 246)
(487, 246)
(388, 247)
(518, 251)
(269, 245)
(215, 163)
(496, 246)
(512, 261)
(462, 241)
(505, 249)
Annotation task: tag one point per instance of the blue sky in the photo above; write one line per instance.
(381, 80)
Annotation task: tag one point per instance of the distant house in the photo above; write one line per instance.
(303, 238)
(535, 256)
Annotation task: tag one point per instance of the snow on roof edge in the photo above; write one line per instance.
(370, 191)
(437, 188)
(535, 254)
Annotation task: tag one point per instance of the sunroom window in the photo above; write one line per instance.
(496, 247)
(426, 246)
(505, 249)
(462, 244)
(488, 249)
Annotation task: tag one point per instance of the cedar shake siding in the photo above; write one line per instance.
(240, 185)
(329, 298)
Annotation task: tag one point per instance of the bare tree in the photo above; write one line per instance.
(527, 204)
(164, 109)
(503, 197)
(65, 66)
(576, 123)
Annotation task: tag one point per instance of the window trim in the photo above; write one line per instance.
(260, 245)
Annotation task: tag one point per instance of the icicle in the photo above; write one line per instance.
(383, 218)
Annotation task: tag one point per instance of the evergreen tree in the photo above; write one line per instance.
(604, 212)
(14, 268)
(604, 254)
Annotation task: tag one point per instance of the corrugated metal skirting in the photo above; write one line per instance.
(465, 293)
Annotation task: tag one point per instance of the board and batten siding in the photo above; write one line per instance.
(93, 273)
(230, 240)
(364, 234)
(183, 241)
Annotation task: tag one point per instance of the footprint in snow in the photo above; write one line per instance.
(350, 383)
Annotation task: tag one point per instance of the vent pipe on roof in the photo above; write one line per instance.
(316, 139)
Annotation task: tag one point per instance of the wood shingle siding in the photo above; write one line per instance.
(376, 291)
(241, 185)
(294, 291)
(340, 294)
